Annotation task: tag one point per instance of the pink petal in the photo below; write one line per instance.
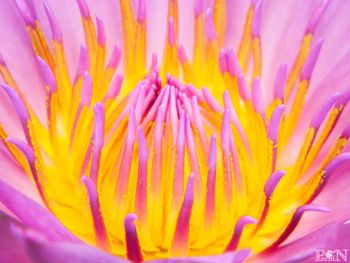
(9, 250)
(234, 257)
(332, 236)
(20, 59)
(33, 215)
(20, 244)
(335, 196)
(236, 11)
(42, 251)
(282, 29)
(14, 176)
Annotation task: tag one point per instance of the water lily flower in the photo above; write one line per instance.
(177, 131)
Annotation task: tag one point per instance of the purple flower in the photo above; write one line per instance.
(177, 131)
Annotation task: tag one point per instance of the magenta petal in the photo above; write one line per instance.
(42, 251)
(332, 236)
(9, 250)
(234, 257)
(33, 215)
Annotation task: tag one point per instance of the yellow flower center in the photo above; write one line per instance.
(178, 159)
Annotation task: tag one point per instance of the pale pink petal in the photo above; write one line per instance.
(236, 11)
(282, 29)
(332, 236)
(21, 61)
(14, 176)
(335, 196)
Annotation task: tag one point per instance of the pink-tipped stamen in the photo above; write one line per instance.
(321, 114)
(133, 247)
(243, 89)
(48, 75)
(101, 234)
(232, 63)
(98, 141)
(141, 12)
(327, 172)
(55, 29)
(171, 32)
(294, 222)
(241, 223)
(211, 183)
(226, 158)
(115, 87)
(182, 230)
(179, 161)
(269, 188)
(316, 16)
(83, 64)
(311, 60)
(141, 190)
(212, 102)
(257, 99)
(256, 23)
(101, 34)
(115, 57)
(182, 54)
(83, 8)
(222, 61)
(280, 82)
(209, 26)
(26, 13)
(198, 7)
(273, 132)
(29, 154)
(21, 110)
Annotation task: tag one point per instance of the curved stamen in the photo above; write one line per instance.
(101, 234)
(269, 188)
(21, 110)
(33, 164)
(133, 248)
(294, 222)
(237, 233)
(327, 172)
(182, 230)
